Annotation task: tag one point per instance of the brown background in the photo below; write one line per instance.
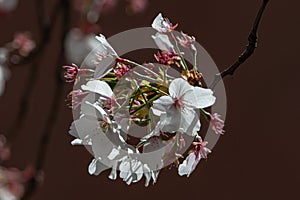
(258, 158)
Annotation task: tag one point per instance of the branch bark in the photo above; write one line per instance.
(252, 44)
(48, 129)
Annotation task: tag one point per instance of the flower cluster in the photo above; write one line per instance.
(169, 107)
(12, 180)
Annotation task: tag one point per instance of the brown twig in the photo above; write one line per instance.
(46, 29)
(252, 44)
(48, 129)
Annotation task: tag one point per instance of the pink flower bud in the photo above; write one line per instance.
(217, 123)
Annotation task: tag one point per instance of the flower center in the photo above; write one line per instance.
(178, 103)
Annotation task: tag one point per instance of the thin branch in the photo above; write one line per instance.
(252, 44)
(46, 30)
(54, 110)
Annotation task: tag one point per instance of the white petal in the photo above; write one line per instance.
(113, 154)
(194, 127)
(179, 87)
(73, 130)
(94, 110)
(77, 142)
(188, 165)
(93, 167)
(200, 98)
(99, 87)
(163, 42)
(86, 126)
(147, 173)
(113, 173)
(157, 22)
(96, 167)
(182, 169)
(125, 170)
(137, 168)
(155, 176)
(172, 120)
(189, 122)
(163, 103)
(109, 50)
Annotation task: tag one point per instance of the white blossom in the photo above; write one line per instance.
(162, 25)
(163, 42)
(177, 111)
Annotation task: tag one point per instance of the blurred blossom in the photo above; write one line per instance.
(23, 43)
(109, 5)
(8, 5)
(4, 149)
(12, 182)
(78, 45)
(4, 73)
(137, 6)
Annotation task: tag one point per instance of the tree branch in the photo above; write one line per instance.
(46, 29)
(252, 44)
(48, 129)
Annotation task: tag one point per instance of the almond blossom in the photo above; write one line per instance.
(179, 107)
(163, 25)
(131, 168)
(192, 160)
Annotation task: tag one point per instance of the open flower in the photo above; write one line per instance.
(131, 168)
(163, 25)
(188, 165)
(177, 111)
(192, 160)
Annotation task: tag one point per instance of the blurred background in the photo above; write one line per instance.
(258, 156)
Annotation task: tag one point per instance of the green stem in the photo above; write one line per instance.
(205, 114)
(184, 65)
